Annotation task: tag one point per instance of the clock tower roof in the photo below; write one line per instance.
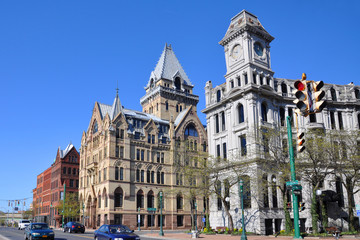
(168, 67)
(245, 21)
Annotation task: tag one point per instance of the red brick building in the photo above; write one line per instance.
(50, 185)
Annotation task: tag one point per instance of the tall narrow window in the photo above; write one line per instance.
(341, 126)
(224, 150)
(239, 81)
(332, 120)
(118, 197)
(266, 191)
(218, 95)
(223, 121)
(116, 173)
(246, 79)
(241, 113)
(254, 78)
(121, 173)
(142, 175)
(216, 123)
(148, 176)
(243, 145)
(166, 105)
(333, 94)
(218, 150)
(218, 193)
(339, 191)
(313, 118)
(282, 117)
(357, 93)
(264, 112)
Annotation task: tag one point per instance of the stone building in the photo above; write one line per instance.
(251, 98)
(127, 156)
(50, 185)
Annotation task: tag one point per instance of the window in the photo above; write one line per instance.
(137, 135)
(264, 112)
(223, 121)
(224, 151)
(104, 173)
(254, 78)
(149, 138)
(218, 150)
(341, 126)
(162, 178)
(180, 220)
(332, 120)
(261, 80)
(153, 139)
(246, 191)
(358, 118)
(158, 157)
(191, 131)
(216, 123)
(137, 154)
(282, 117)
(243, 145)
(246, 78)
(266, 192)
(122, 133)
(150, 200)
(177, 84)
(152, 177)
(162, 157)
(163, 140)
(167, 105)
(274, 192)
(357, 93)
(140, 199)
(241, 113)
(239, 81)
(95, 127)
(218, 193)
(179, 202)
(158, 177)
(177, 108)
(121, 173)
(117, 151)
(284, 89)
(137, 175)
(71, 182)
(313, 118)
(333, 94)
(142, 175)
(116, 173)
(218, 95)
(148, 176)
(121, 152)
(232, 84)
(339, 191)
(142, 155)
(64, 170)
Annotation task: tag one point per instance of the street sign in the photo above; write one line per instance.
(290, 183)
(151, 209)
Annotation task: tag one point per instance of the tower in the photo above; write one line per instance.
(247, 51)
(169, 90)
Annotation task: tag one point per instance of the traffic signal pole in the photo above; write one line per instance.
(293, 179)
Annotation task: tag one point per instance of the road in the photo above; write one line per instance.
(15, 234)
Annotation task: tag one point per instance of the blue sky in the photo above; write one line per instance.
(58, 57)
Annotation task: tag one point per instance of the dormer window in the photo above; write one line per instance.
(152, 83)
(357, 93)
(218, 95)
(333, 94)
(177, 83)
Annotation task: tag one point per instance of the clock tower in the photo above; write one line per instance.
(247, 51)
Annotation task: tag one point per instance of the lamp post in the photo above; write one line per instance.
(196, 229)
(83, 207)
(161, 233)
(243, 234)
(139, 218)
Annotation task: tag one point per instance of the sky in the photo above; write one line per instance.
(57, 58)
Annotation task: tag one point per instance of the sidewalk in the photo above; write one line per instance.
(185, 236)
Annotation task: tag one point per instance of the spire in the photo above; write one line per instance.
(168, 67)
(116, 107)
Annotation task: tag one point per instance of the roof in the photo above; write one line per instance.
(168, 67)
(245, 21)
(63, 153)
(180, 116)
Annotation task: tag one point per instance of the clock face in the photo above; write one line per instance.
(259, 50)
(236, 52)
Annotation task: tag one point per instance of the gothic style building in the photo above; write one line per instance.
(251, 98)
(127, 156)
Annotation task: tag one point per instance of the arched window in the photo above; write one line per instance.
(264, 112)
(150, 200)
(148, 176)
(218, 95)
(140, 199)
(177, 84)
(95, 127)
(179, 201)
(333, 94)
(191, 131)
(118, 197)
(99, 201)
(241, 113)
(105, 198)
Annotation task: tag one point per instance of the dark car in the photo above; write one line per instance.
(38, 231)
(71, 227)
(112, 232)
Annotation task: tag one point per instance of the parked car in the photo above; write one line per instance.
(23, 224)
(112, 232)
(71, 227)
(38, 231)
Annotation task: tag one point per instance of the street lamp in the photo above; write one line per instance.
(196, 229)
(161, 233)
(83, 207)
(139, 218)
(243, 234)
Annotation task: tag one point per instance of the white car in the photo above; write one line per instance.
(23, 224)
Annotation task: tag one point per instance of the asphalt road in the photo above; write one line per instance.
(15, 234)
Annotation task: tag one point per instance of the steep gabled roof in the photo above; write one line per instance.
(245, 21)
(63, 153)
(168, 67)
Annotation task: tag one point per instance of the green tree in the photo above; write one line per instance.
(72, 207)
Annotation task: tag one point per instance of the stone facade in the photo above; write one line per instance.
(251, 98)
(127, 156)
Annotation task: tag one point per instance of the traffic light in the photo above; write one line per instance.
(318, 95)
(301, 94)
(300, 141)
(301, 206)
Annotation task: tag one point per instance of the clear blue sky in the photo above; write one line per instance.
(58, 57)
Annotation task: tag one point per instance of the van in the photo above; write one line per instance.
(23, 224)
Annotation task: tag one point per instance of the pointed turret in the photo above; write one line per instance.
(116, 108)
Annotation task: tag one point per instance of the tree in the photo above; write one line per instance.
(28, 214)
(346, 152)
(72, 206)
(316, 165)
